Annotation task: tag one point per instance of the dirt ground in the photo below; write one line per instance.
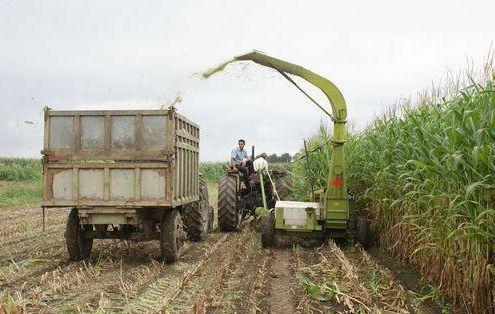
(227, 273)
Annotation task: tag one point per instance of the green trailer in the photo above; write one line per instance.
(125, 174)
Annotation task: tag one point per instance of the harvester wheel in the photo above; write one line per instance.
(197, 215)
(79, 243)
(268, 230)
(170, 235)
(282, 185)
(362, 230)
(228, 218)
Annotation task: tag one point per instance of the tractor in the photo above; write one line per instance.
(330, 212)
(239, 196)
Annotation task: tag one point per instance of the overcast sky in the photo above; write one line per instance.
(142, 54)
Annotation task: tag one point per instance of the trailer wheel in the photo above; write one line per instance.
(362, 230)
(197, 215)
(228, 218)
(170, 235)
(268, 230)
(282, 184)
(77, 237)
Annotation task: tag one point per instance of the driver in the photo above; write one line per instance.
(239, 159)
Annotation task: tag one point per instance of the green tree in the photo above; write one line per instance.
(272, 158)
(285, 157)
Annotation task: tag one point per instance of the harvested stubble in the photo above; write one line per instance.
(427, 175)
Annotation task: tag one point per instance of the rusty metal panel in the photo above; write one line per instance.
(152, 184)
(122, 184)
(91, 183)
(62, 184)
(92, 132)
(123, 132)
(62, 133)
(154, 130)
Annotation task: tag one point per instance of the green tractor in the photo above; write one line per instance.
(239, 197)
(329, 214)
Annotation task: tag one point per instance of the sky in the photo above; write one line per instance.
(97, 54)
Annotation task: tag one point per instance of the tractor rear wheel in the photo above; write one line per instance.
(362, 230)
(282, 184)
(197, 215)
(77, 237)
(170, 235)
(228, 218)
(268, 230)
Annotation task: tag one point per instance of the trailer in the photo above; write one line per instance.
(125, 174)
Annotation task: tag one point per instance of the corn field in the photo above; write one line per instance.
(426, 177)
(212, 171)
(20, 169)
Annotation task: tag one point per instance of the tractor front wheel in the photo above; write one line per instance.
(77, 237)
(228, 217)
(268, 230)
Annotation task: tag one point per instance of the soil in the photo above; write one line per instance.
(227, 272)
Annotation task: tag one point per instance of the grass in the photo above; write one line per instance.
(426, 175)
(20, 169)
(20, 193)
(20, 181)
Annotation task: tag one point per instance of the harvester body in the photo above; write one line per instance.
(329, 213)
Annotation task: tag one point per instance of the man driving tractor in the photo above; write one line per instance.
(240, 160)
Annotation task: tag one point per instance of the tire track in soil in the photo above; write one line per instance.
(231, 288)
(257, 295)
(93, 278)
(280, 299)
(202, 293)
(30, 277)
(171, 283)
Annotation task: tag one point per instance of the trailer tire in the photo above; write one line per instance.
(170, 236)
(282, 184)
(197, 215)
(362, 230)
(228, 218)
(79, 243)
(268, 230)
